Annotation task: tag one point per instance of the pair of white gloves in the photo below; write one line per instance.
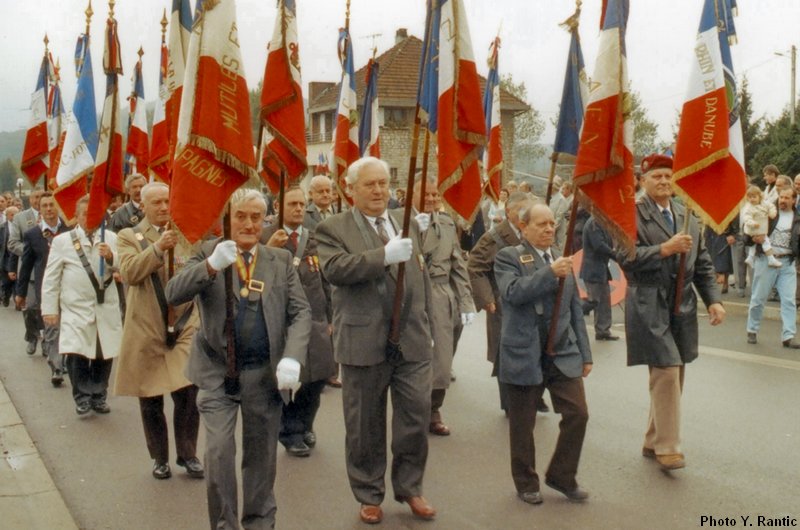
(288, 371)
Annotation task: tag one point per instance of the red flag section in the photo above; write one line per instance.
(34, 162)
(215, 144)
(159, 146)
(283, 146)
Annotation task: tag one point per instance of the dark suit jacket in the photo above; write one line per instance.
(36, 248)
(126, 216)
(313, 217)
(8, 260)
(527, 293)
(362, 292)
(597, 250)
(286, 311)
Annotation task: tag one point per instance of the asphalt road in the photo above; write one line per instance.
(741, 430)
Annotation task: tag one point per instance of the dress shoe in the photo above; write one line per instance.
(370, 514)
(751, 338)
(161, 471)
(791, 344)
(57, 378)
(419, 507)
(83, 408)
(648, 452)
(334, 382)
(30, 349)
(668, 462)
(439, 429)
(310, 438)
(193, 466)
(531, 497)
(542, 406)
(575, 494)
(298, 449)
(101, 407)
(606, 336)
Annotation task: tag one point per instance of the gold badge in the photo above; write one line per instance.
(77, 245)
(243, 292)
(256, 286)
(526, 258)
(135, 219)
(296, 261)
(421, 261)
(139, 236)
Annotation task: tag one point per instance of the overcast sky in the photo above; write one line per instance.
(661, 35)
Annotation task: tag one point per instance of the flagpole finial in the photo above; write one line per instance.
(347, 16)
(140, 52)
(164, 23)
(572, 22)
(111, 8)
(89, 14)
(46, 42)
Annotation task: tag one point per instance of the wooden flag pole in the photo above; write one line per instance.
(231, 370)
(281, 194)
(46, 54)
(551, 335)
(550, 178)
(681, 278)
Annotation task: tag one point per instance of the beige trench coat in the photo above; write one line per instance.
(147, 367)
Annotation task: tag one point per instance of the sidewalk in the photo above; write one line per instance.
(28, 497)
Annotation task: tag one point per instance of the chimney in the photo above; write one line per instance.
(315, 88)
(401, 35)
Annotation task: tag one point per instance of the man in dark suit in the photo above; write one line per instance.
(297, 422)
(271, 329)
(359, 250)
(528, 277)
(8, 260)
(129, 214)
(597, 250)
(36, 248)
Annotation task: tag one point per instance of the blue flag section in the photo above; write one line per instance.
(428, 96)
(570, 118)
(84, 108)
(492, 80)
(365, 125)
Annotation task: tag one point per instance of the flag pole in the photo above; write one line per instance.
(550, 178)
(338, 177)
(47, 91)
(681, 278)
(231, 371)
(424, 175)
(281, 195)
(551, 334)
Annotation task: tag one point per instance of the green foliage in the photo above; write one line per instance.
(645, 131)
(779, 145)
(751, 131)
(528, 125)
(9, 173)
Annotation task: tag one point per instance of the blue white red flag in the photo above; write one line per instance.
(283, 142)
(493, 154)
(108, 179)
(461, 126)
(322, 165)
(428, 88)
(160, 162)
(604, 167)
(214, 153)
(369, 128)
(56, 126)
(345, 137)
(138, 149)
(80, 143)
(709, 169)
(180, 30)
(34, 154)
(573, 97)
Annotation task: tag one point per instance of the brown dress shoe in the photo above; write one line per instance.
(669, 462)
(371, 514)
(420, 507)
(334, 382)
(439, 429)
(647, 452)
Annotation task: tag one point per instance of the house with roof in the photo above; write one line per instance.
(397, 92)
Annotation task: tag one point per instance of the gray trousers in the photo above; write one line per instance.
(364, 399)
(600, 293)
(50, 348)
(261, 416)
(739, 266)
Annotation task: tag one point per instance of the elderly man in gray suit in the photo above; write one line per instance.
(528, 276)
(359, 250)
(272, 327)
(321, 206)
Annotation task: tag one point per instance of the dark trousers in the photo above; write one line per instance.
(600, 293)
(89, 377)
(33, 324)
(185, 422)
(569, 400)
(6, 288)
(298, 415)
(364, 399)
(437, 400)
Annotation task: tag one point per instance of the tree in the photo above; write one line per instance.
(645, 131)
(8, 175)
(751, 130)
(779, 145)
(528, 125)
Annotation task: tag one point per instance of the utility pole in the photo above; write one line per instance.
(794, 94)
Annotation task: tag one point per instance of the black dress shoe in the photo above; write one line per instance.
(310, 438)
(298, 449)
(31, 348)
(576, 494)
(161, 471)
(791, 344)
(542, 406)
(531, 497)
(101, 407)
(83, 408)
(192, 465)
(57, 378)
(606, 336)
(751, 338)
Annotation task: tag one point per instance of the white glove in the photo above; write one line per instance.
(423, 220)
(467, 318)
(223, 256)
(288, 374)
(397, 250)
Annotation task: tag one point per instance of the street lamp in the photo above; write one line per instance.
(20, 182)
(793, 58)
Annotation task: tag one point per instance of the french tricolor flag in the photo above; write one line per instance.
(80, 143)
(493, 154)
(604, 167)
(369, 129)
(709, 157)
(56, 127)
(34, 161)
(180, 30)
(138, 149)
(345, 138)
(159, 147)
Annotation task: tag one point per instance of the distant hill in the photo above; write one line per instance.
(11, 144)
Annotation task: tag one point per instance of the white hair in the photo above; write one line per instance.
(358, 165)
(132, 177)
(320, 179)
(147, 188)
(243, 195)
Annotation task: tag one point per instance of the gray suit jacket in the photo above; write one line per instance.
(527, 294)
(286, 311)
(352, 254)
(313, 217)
(23, 221)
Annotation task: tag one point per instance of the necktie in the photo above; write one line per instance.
(668, 218)
(293, 237)
(324, 214)
(547, 258)
(381, 229)
(246, 257)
